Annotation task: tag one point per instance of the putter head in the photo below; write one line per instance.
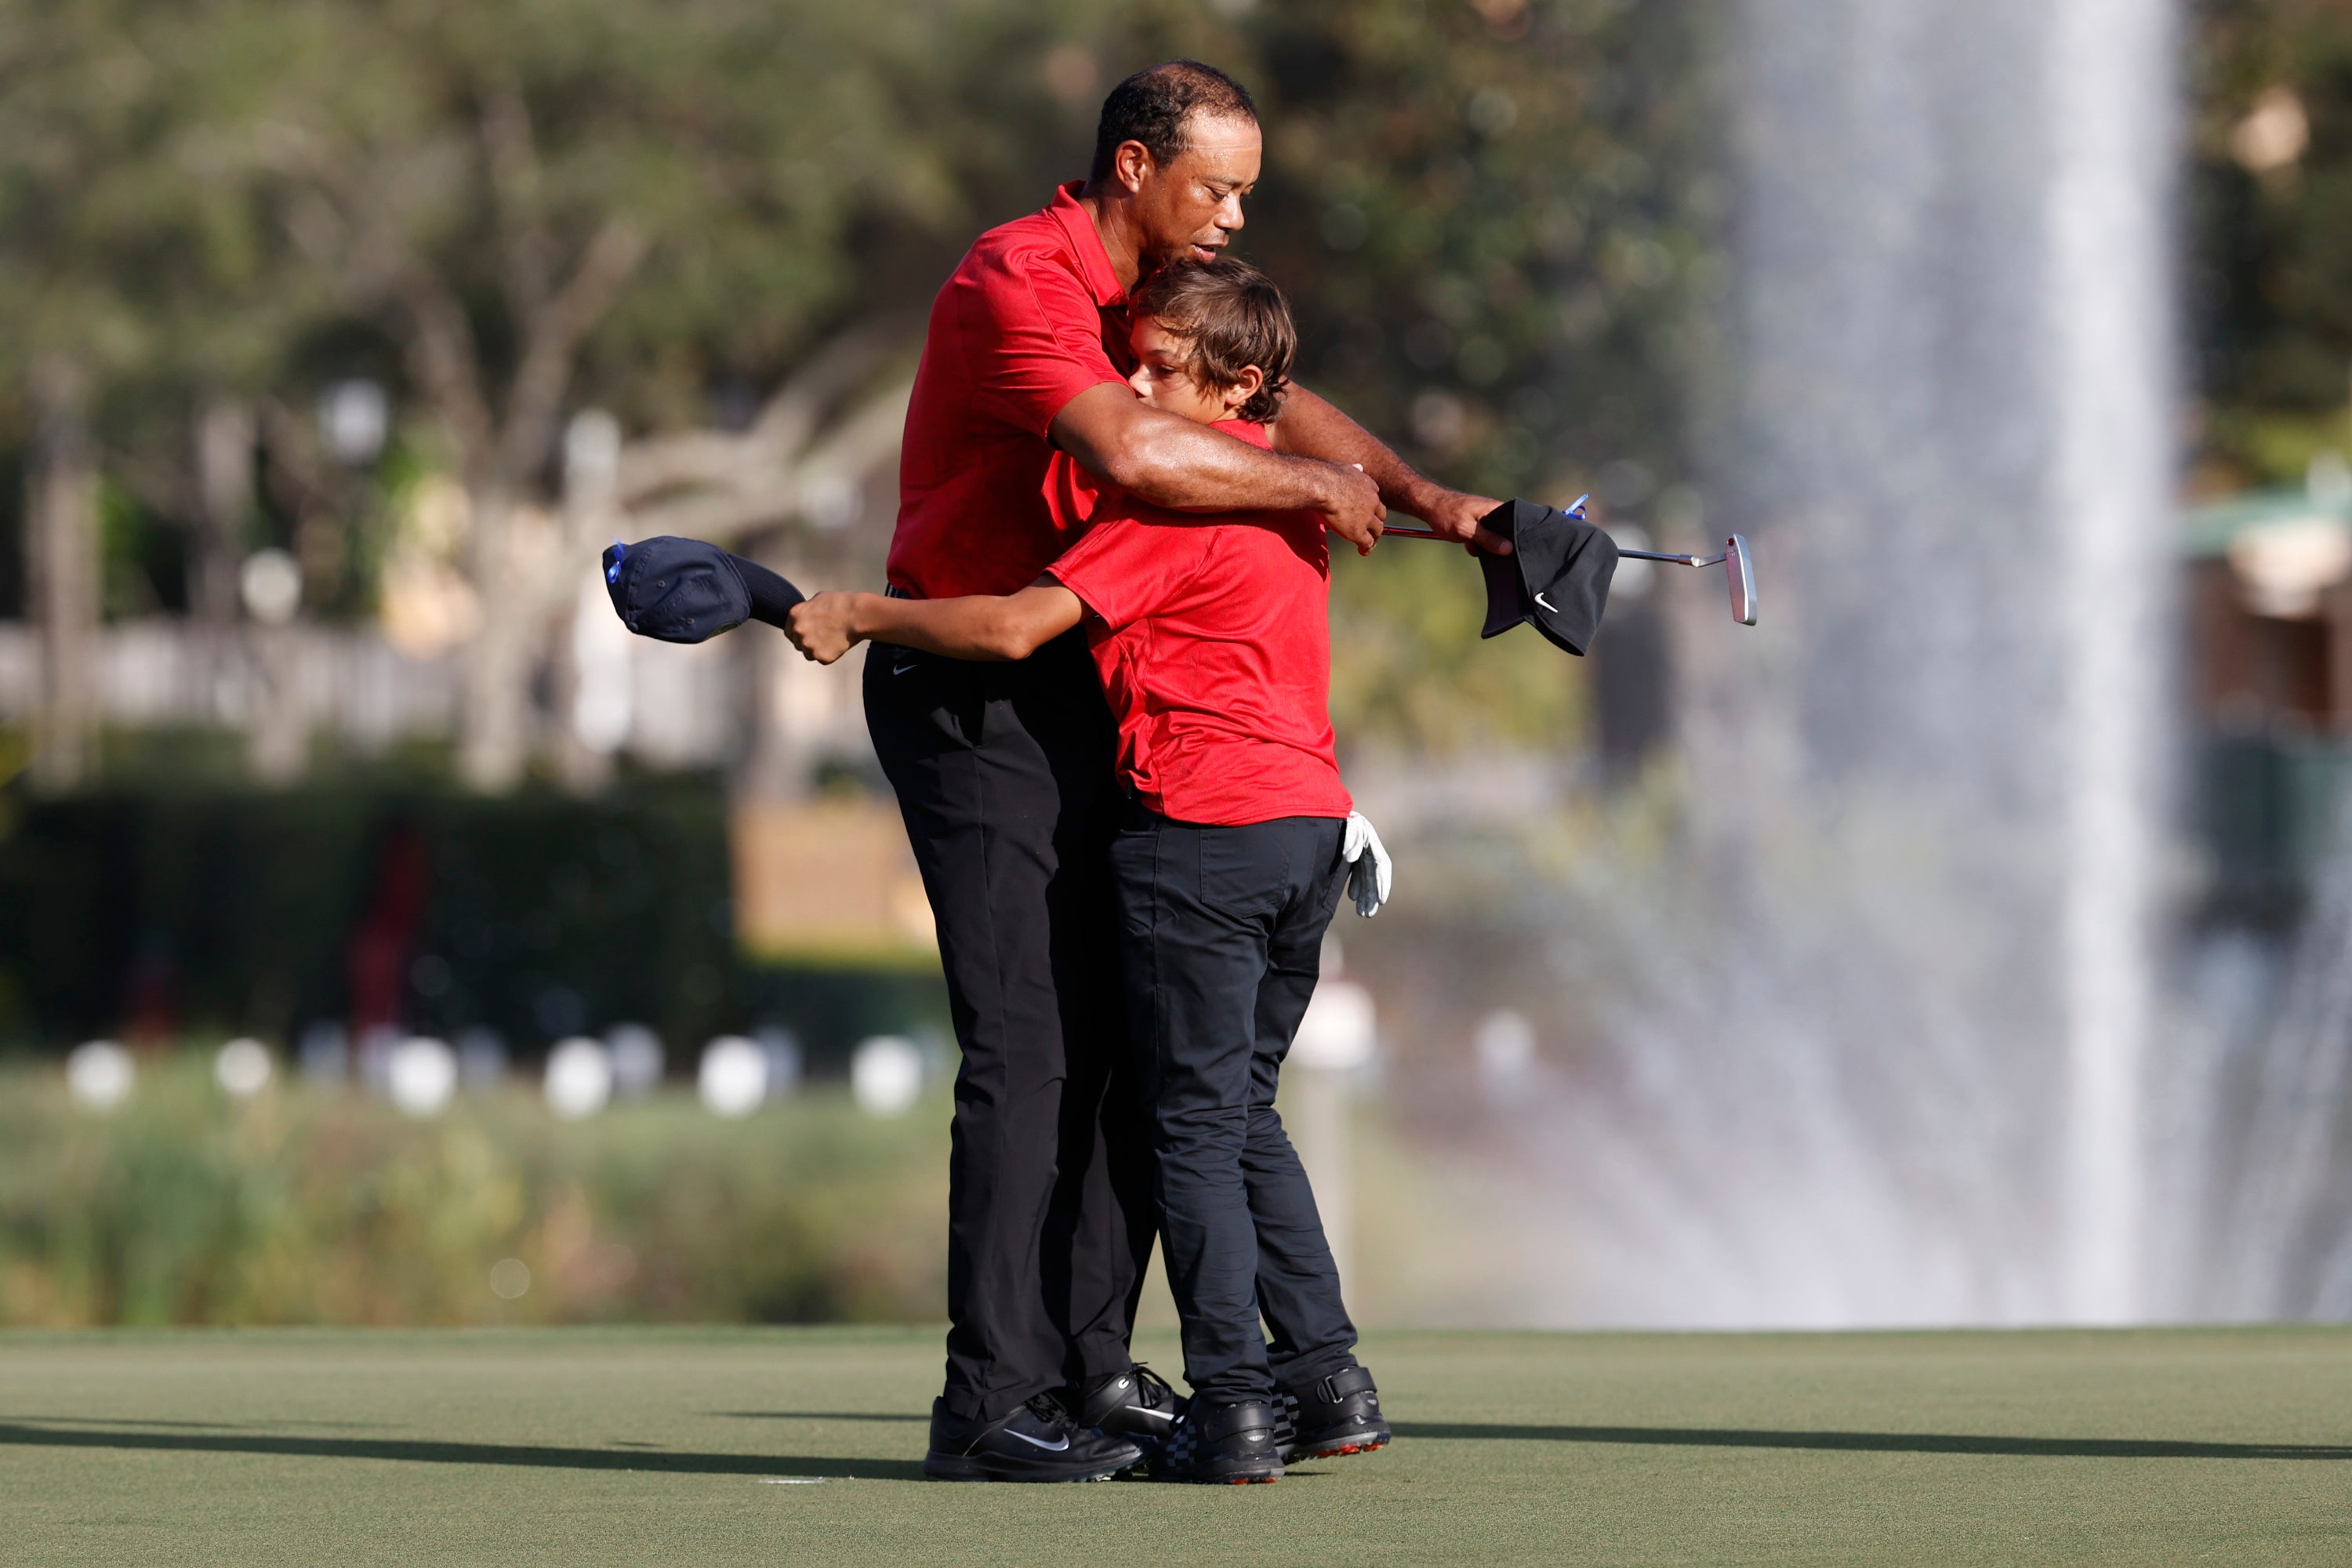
(1739, 567)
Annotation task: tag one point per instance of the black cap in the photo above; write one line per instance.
(1556, 574)
(683, 589)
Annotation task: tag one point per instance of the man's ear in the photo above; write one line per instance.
(1130, 165)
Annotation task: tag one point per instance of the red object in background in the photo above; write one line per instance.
(152, 1017)
(381, 948)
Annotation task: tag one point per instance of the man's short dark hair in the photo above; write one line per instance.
(1154, 104)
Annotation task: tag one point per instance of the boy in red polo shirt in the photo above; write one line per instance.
(1212, 639)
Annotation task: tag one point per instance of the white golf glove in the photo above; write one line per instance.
(1370, 874)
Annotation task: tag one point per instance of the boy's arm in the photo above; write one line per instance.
(978, 626)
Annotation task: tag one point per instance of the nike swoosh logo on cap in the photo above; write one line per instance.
(1546, 603)
(1040, 1441)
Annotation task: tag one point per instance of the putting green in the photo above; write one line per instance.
(668, 1446)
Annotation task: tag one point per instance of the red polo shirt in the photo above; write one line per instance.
(1213, 638)
(1031, 319)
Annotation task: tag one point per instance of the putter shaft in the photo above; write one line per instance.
(1677, 560)
(1625, 554)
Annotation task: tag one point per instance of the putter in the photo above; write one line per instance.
(1738, 562)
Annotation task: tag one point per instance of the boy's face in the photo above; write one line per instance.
(1164, 380)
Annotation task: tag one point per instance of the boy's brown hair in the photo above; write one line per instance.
(1230, 316)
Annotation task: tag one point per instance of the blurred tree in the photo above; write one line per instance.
(2272, 202)
(45, 333)
(496, 186)
(1495, 218)
(136, 283)
(1504, 209)
(1492, 217)
(62, 560)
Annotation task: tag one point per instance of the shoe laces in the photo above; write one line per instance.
(1049, 1409)
(1157, 1390)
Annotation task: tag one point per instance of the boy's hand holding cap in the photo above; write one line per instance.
(687, 591)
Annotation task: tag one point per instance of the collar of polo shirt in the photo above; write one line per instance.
(1087, 243)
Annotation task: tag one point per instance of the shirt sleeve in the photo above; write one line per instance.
(1125, 568)
(1075, 498)
(1035, 338)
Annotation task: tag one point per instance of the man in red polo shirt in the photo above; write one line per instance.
(1005, 771)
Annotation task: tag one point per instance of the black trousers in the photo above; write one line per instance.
(1222, 932)
(1003, 773)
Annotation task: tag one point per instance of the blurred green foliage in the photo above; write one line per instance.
(1408, 668)
(2272, 202)
(303, 1207)
(1498, 218)
(1501, 221)
(1498, 223)
(1493, 216)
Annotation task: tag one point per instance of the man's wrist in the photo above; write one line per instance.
(1339, 485)
(1417, 495)
(1329, 480)
(1306, 485)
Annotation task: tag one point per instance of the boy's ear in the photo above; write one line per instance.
(1245, 386)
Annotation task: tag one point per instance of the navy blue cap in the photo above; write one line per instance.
(687, 591)
(1556, 574)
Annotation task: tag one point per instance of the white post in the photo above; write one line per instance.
(1335, 1040)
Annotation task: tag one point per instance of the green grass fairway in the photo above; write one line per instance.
(660, 1446)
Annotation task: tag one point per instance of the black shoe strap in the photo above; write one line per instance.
(1342, 1383)
(1224, 1420)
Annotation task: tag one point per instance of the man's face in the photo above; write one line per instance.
(1191, 208)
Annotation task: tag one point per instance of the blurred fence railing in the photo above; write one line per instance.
(677, 707)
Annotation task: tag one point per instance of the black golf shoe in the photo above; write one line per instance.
(1333, 1416)
(1221, 1444)
(1136, 1404)
(1037, 1442)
